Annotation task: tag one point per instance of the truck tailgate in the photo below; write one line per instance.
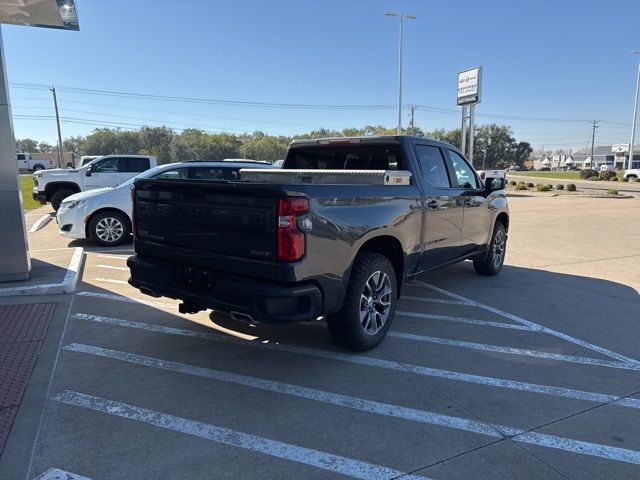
(206, 219)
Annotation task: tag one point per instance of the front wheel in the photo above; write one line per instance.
(109, 229)
(58, 197)
(369, 304)
(492, 263)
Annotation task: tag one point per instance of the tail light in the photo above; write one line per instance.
(291, 246)
(134, 231)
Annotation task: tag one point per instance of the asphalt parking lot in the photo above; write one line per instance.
(531, 374)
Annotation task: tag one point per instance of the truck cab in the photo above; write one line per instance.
(106, 171)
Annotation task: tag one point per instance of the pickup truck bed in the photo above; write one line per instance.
(291, 251)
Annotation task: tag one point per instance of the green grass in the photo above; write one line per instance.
(26, 185)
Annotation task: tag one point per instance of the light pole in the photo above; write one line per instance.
(635, 114)
(409, 17)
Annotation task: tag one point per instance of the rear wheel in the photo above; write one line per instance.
(109, 229)
(37, 168)
(369, 304)
(492, 263)
(58, 197)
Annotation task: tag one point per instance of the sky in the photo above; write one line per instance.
(549, 67)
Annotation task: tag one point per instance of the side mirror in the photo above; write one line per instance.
(88, 172)
(493, 184)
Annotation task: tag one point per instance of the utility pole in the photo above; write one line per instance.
(55, 104)
(635, 115)
(593, 141)
(412, 109)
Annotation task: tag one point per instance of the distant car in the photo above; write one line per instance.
(544, 169)
(632, 173)
(26, 162)
(104, 215)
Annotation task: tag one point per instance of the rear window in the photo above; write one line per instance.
(345, 157)
(135, 164)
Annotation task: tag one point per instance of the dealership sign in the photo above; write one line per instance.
(469, 86)
(620, 148)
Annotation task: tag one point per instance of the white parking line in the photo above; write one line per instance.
(120, 298)
(433, 300)
(522, 321)
(113, 257)
(471, 321)
(315, 458)
(374, 362)
(112, 267)
(110, 280)
(515, 351)
(385, 409)
(57, 474)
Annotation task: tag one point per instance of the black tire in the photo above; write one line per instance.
(109, 228)
(38, 167)
(58, 196)
(346, 326)
(492, 262)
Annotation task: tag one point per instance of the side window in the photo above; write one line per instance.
(432, 166)
(108, 165)
(21, 156)
(464, 174)
(207, 173)
(134, 164)
(176, 174)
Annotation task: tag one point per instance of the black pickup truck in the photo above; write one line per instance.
(335, 233)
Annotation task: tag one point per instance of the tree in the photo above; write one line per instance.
(454, 137)
(44, 147)
(27, 145)
(156, 141)
(264, 147)
(195, 144)
(74, 144)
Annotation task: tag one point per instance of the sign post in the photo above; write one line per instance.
(15, 263)
(469, 94)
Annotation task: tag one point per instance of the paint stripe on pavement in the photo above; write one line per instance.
(372, 362)
(472, 321)
(385, 409)
(514, 351)
(112, 267)
(433, 300)
(120, 298)
(522, 321)
(315, 458)
(110, 280)
(57, 474)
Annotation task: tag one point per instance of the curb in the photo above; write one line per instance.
(41, 223)
(68, 284)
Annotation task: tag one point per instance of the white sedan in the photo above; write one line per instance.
(104, 215)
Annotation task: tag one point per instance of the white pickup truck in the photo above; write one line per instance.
(632, 173)
(26, 162)
(107, 171)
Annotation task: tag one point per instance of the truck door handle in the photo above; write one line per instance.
(432, 204)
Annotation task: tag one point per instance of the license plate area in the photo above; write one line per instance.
(196, 278)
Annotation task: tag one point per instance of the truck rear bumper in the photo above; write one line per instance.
(263, 301)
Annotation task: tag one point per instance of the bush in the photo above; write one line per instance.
(521, 186)
(530, 185)
(612, 191)
(613, 179)
(607, 175)
(587, 173)
(560, 187)
(633, 179)
(542, 188)
(595, 178)
(550, 186)
(513, 183)
(571, 187)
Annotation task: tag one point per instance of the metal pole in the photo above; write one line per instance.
(593, 141)
(472, 110)
(55, 104)
(14, 254)
(463, 131)
(399, 132)
(633, 123)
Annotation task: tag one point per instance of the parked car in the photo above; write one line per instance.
(544, 169)
(26, 162)
(104, 215)
(632, 173)
(107, 171)
(336, 233)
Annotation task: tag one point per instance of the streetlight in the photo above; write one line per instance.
(635, 114)
(409, 17)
